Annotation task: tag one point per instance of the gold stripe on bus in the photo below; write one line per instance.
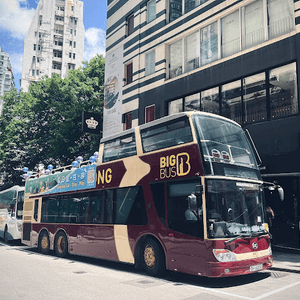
(136, 169)
(122, 244)
(252, 255)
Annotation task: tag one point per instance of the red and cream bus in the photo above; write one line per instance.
(182, 193)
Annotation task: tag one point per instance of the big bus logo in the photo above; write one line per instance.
(174, 165)
(104, 176)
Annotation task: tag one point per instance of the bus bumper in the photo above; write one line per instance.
(217, 269)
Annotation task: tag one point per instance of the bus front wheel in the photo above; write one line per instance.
(154, 259)
(44, 243)
(61, 244)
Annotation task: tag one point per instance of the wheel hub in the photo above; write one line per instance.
(149, 256)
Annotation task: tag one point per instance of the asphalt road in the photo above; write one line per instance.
(26, 274)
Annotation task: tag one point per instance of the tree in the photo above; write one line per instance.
(43, 125)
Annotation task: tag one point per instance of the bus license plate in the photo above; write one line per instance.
(256, 268)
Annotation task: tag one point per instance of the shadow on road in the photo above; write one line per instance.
(170, 276)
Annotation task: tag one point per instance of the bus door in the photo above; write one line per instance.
(185, 219)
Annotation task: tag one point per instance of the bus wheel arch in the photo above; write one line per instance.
(150, 255)
(44, 242)
(61, 244)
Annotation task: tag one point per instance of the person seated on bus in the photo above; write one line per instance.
(193, 212)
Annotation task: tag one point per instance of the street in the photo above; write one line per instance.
(27, 274)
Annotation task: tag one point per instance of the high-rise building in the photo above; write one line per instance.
(235, 58)
(6, 76)
(54, 42)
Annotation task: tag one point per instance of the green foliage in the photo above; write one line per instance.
(43, 125)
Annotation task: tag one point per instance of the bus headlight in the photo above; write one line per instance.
(223, 255)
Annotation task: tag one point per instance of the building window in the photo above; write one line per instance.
(175, 9)
(192, 102)
(176, 59)
(280, 17)
(71, 19)
(56, 66)
(253, 31)
(254, 98)
(34, 47)
(37, 72)
(128, 120)
(232, 101)
(33, 59)
(129, 73)
(71, 43)
(33, 72)
(72, 8)
(283, 91)
(75, 21)
(40, 20)
(151, 10)
(209, 44)
(130, 24)
(70, 55)
(71, 66)
(74, 44)
(39, 47)
(37, 59)
(71, 31)
(191, 4)
(150, 63)
(192, 50)
(210, 101)
(75, 32)
(73, 55)
(35, 34)
(175, 106)
(230, 34)
(150, 113)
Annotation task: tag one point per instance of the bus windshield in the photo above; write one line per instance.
(234, 209)
(223, 142)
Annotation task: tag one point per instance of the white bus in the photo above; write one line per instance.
(11, 213)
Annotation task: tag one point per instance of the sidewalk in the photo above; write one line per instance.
(288, 261)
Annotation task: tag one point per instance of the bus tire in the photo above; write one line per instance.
(61, 244)
(153, 257)
(44, 242)
(5, 235)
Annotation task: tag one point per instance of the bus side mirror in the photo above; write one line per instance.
(280, 193)
(199, 190)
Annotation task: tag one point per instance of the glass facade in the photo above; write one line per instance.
(244, 28)
(260, 97)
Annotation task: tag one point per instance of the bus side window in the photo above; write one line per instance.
(130, 206)
(36, 209)
(109, 207)
(158, 193)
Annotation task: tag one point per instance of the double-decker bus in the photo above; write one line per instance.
(11, 213)
(182, 193)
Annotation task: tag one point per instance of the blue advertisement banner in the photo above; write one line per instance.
(71, 180)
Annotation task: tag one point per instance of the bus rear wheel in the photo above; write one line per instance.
(61, 244)
(153, 257)
(44, 243)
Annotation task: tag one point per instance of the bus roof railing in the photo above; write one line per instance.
(58, 170)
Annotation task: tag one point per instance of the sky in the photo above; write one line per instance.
(16, 16)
